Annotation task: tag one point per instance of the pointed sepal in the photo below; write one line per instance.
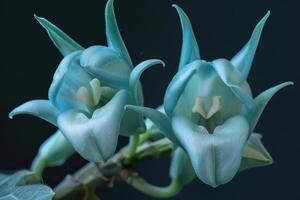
(40, 108)
(261, 101)
(189, 49)
(114, 38)
(136, 74)
(62, 41)
(158, 118)
(244, 58)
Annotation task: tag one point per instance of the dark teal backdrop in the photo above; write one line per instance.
(151, 29)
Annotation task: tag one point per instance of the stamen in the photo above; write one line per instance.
(96, 90)
(199, 107)
(215, 107)
(84, 96)
(90, 95)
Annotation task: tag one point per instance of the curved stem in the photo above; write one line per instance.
(132, 146)
(154, 191)
(38, 165)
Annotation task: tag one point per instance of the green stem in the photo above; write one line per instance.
(144, 137)
(154, 191)
(116, 168)
(38, 165)
(132, 146)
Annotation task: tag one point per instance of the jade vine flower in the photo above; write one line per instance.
(210, 110)
(254, 154)
(89, 91)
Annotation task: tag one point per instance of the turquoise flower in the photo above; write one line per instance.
(210, 110)
(88, 93)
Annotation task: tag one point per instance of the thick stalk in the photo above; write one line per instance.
(92, 175)
(132, 146)
(38, 165)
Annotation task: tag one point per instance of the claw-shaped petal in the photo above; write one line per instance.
(62, 41)
(255, 154)
(177, 86)
(261, 101)
(234, 80)
(40, 108)
(114, 38)
(189, 49)
(67, 79)
(215, 157)
(95, 138)
(244, 58)
(106, 65)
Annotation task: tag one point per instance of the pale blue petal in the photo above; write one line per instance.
(189, 49)
(67, 79)
(55, 150)
(215, 157)
(234, 80)
(261, 101)
(255, 154)
(158, 118)
(244, 58)
(135, 77)
(114, 38)
(95, 138)
(62, 41)
(40, 108)
(106, 65)
(177, 86)
(181, 167)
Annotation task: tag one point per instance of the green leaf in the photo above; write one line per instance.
(23, 185)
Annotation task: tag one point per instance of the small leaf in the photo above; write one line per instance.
(23, 185)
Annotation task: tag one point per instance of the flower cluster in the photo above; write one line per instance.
(208, 111)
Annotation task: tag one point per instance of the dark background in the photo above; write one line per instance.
(151, 29)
